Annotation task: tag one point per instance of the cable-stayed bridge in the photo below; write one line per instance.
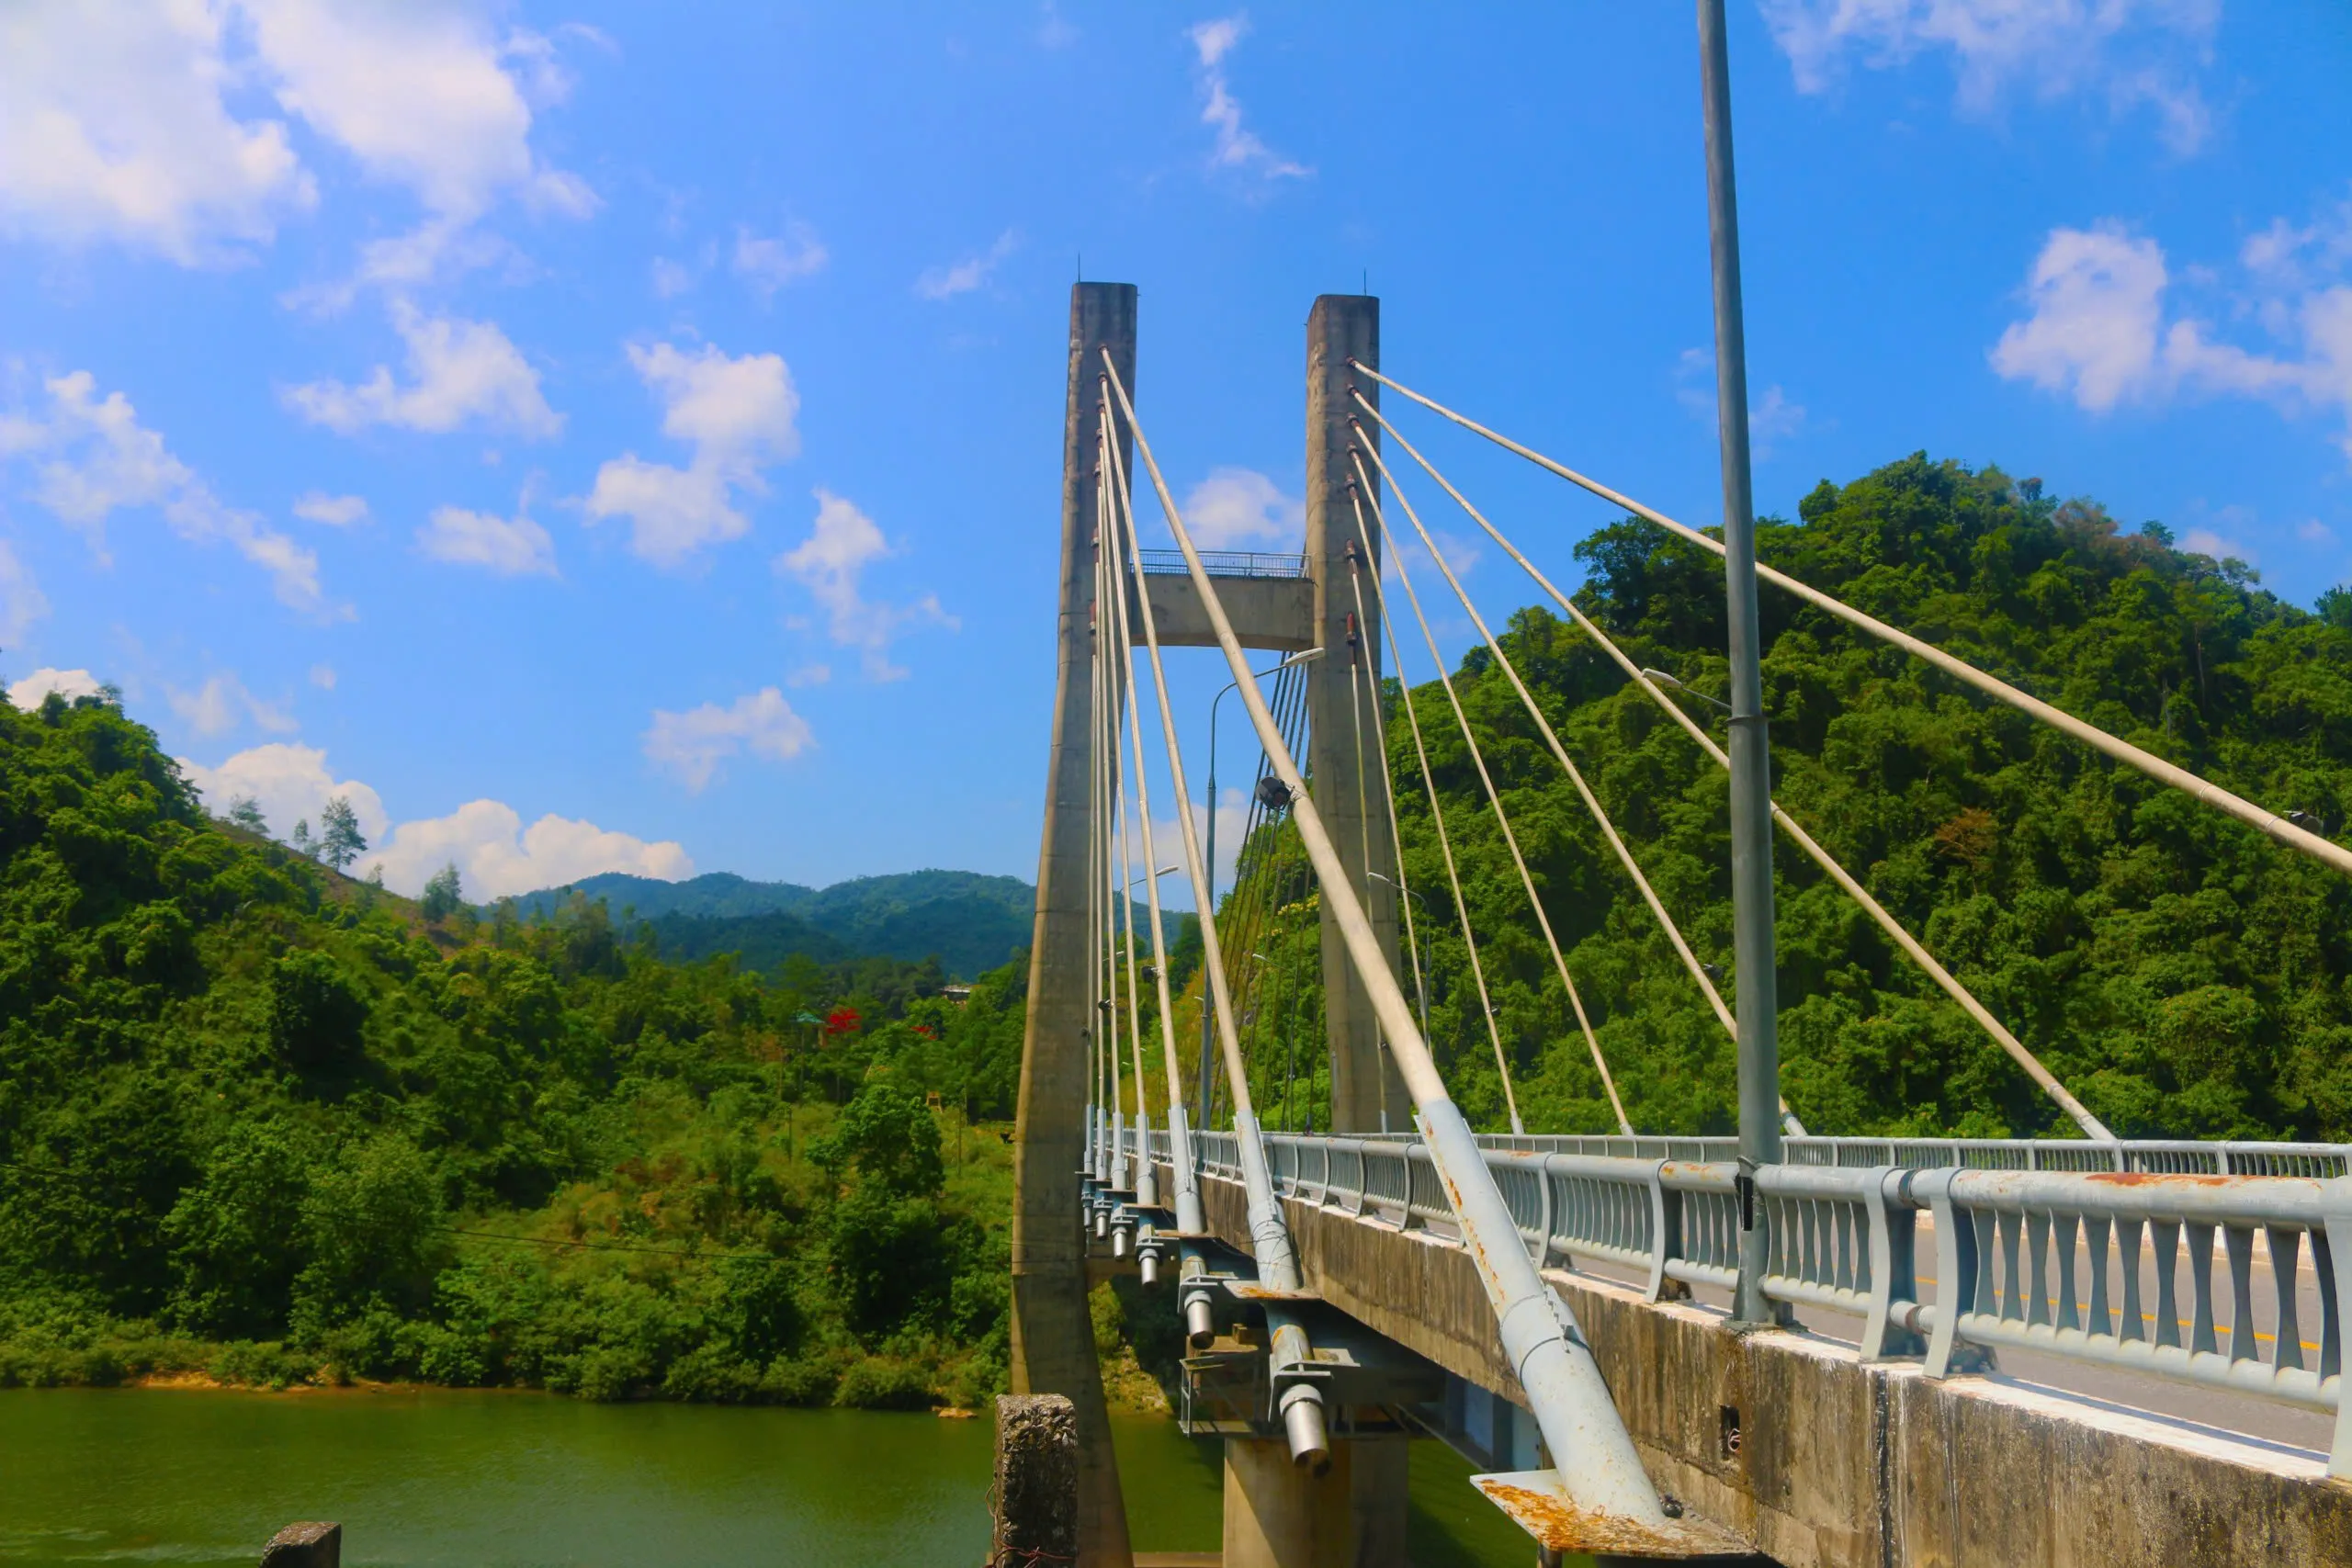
(1818, 1350)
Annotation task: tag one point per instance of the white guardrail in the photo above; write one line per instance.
(2228, 1265)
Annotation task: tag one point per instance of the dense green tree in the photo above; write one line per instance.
(443, 894)
(2185, 975)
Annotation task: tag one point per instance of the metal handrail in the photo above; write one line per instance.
(1222, 563)
(2153, 1156)
(2086, 1264)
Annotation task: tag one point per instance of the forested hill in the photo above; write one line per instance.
(261, 1120)
(970, 922)
(2184, 975)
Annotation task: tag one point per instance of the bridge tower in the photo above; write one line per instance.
(1053, 1339)
(1350, 776)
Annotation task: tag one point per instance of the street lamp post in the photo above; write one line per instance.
(1208, 1046)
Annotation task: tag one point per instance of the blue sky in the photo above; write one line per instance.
(605, 437)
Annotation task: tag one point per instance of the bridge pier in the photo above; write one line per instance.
(1349, 775)
(1053, 1339)
(1278, 1515)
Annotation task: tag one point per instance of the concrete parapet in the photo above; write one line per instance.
(1825, 1462)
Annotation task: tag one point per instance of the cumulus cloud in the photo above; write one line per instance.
(1242, 509)
(21, 600)
(90, 457)
(769, 264)
(331, 511)
(829, 563)
(510, 547)
(34, 689)
(737, 417)
(972, 272)
(495, 855)
(1233, 147)
(2101, 331)
(141, 123)
(2130, 53)
(290, 781)
(460, 373)
(691, 745)
(223, 703)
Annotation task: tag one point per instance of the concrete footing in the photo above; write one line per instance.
(1278, 1514)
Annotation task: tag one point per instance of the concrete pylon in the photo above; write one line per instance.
(1053, 1339)
(1348, 774)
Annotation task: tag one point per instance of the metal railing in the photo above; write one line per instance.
(1222, 563)
(2154, 1156)
(2225, 1264)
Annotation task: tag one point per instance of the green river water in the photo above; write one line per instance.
(451, 1479)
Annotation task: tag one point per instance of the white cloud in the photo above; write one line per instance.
(290, 781)
(35, 688)
(1235, 147)
(331, 511)
(2132, 53)
(2097, 300)
(2205, 542)
(497, 857)
(829, 562)
(138, 123)
(1242, 509)
(422, 95)
(21, 600)
(738, 416)
(671, 278)
(494, 854)
(90, 457)
(322, 677)
(946, 282)
(223, 703)
(511, 547)
(2099, 331)
(460, 373)
(112, 127)
(768, 265)
(690, 745)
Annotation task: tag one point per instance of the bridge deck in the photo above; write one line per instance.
(1823, 1459)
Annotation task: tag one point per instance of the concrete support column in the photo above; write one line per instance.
(1349, 779)
(1278, 1515)
(1053, 1340)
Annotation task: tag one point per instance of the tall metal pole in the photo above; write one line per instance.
(1751, 760)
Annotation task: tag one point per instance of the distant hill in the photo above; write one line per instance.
(973, 923)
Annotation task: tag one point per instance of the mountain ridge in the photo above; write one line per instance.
(971, 921)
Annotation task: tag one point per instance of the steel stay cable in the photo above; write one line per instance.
(1591, 802)
(1128, 921)
(2092, 1126)
(1095, 1162)
(1189, 1217)
(1598, 1467)
(1358, 666)
(1452, 877)
(1495, 800)
(1453, 881)
(1270, 1235)
(1380, 738)
(2090, 735)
